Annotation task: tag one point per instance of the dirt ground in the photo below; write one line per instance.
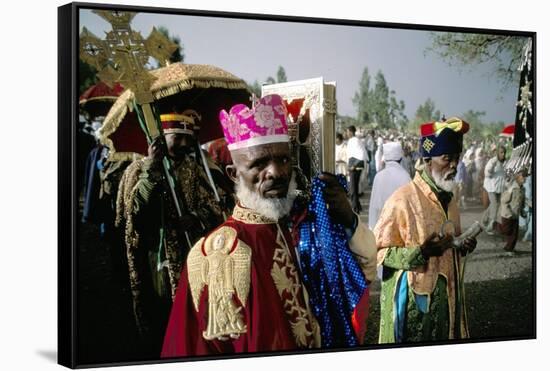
(498, 285)
(499, 295)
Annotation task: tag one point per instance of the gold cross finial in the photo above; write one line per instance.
(123, 55)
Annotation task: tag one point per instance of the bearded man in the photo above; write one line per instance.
(157, 240)
(422, 296)
(387, 180)
(242, 287)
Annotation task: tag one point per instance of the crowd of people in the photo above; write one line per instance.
(232, 269)
(480, 177)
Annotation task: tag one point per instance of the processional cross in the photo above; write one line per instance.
(122, 57)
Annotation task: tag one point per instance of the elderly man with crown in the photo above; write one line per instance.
(157, 240)
(243, 288)
(422, 296)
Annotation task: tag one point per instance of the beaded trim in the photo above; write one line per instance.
(250, 216)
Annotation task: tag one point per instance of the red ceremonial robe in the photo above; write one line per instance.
(268, 309)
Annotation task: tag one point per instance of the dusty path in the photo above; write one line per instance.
(499, 289)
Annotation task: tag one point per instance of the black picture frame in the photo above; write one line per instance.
(68, 202)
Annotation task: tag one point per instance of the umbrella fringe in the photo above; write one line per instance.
(205, 76)
(124, 156)
(112, 122)
(186, 85)
(122, 105)
(106, 98)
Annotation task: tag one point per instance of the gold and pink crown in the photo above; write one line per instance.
(264, 123)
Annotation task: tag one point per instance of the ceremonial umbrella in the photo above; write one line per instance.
(508, 131)
(98, 99)
(177, 87)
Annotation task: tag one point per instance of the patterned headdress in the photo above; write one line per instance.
(439, 138)
(180, 123)
(264, 123)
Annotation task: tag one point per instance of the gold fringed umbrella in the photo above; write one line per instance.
(204, 88)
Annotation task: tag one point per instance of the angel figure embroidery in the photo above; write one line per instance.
(226, 271)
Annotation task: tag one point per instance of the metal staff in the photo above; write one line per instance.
(211, 179)
(122, 57)
(473, 230)
(168, 172)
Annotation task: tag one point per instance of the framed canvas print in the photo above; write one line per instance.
(236, 185)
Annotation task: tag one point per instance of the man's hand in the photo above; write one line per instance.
(468, 246)
(435, 245)
(339, 207)
(155, 151)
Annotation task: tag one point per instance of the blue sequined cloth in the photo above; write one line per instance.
(332, 276)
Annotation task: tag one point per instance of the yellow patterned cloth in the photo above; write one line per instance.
(408, 218)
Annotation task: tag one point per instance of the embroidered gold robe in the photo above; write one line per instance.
(411, 215)
(155, 242)
(258, 302)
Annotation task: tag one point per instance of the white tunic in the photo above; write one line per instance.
(494, 176)
(379, 158)
(385, 183)
(355, 148)
(341, 155)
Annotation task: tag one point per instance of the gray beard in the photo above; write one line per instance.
(446, 185)
(271, 208)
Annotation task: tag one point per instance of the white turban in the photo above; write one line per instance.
(392, 151)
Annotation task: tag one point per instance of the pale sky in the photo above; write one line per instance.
(253, 50)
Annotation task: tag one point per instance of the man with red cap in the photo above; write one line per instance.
(422, 294)
(157, 240)
(242, 288)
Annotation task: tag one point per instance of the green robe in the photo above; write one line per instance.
(418, 325)
(424, 317)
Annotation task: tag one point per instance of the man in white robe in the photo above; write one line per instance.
(386, 181)
(357, 156)
(378, 156)
(341, 155)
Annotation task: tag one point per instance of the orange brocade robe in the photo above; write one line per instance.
(408, 218)
(241, 291)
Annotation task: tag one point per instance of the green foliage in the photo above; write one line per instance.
(281, 75)
(425, 112)
(475, 119)
(255, 88)
(480, 130)
(378, 105)
(178, 55)
(492, 129)
(86, 76)
(462, 49)
(342, 122)
(397, 112)
(361, 98)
